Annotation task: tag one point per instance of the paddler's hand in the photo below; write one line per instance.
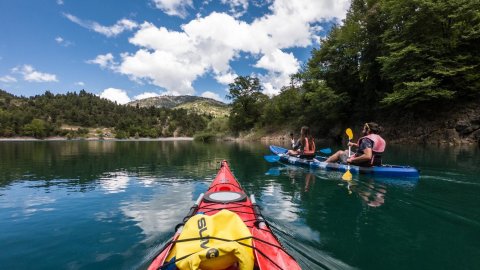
(349, 160)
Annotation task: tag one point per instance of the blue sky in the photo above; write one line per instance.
(125, 50)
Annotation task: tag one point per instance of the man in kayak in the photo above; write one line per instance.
(305, 146)
(369, 148)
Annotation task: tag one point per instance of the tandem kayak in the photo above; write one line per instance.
(224, 230)
(316, 163)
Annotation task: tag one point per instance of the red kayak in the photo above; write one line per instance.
(224, 230)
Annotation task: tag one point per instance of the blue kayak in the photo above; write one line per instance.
(316, 163)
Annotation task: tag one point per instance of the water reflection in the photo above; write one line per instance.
(86, 161)
(114, 182)
(161, 212)
(372, 194)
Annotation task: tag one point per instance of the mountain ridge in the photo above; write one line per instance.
(170, 102)
(200, 105)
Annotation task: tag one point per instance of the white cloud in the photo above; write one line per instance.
(212, 95)
(278, 61)
(273, 82)
(80, 83)
(104, 61)
(116, 95)
(59, 2)
(110, 31)
(174, 7)
(7, 79)
(63, 42)
(31, 75)
(173, 60)
(163, 69)
(226, 78)
(145, 95)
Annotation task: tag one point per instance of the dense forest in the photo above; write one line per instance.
(43, 115)
(388, 58)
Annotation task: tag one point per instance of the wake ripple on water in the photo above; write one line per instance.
(303, 249)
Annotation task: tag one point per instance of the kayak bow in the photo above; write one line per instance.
(224, 230)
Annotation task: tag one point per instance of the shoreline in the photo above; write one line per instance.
(52, 139)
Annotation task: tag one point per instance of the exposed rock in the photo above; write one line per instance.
(460, 124)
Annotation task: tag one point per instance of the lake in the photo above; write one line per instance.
(112, 204)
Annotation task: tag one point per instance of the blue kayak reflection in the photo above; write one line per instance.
(371, 191)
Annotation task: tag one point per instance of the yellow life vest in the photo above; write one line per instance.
(211, 254)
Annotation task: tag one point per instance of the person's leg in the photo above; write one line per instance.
(292, 152)
(335, 157)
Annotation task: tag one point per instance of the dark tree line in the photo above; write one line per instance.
(386, 58)
(43, 115)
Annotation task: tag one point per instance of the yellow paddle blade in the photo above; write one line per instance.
(347, 176)
(349, 133)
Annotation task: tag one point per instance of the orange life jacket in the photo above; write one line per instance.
(306, 149)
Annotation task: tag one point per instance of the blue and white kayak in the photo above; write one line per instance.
(316, 163)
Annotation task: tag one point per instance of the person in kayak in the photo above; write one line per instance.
(369, 148)
(305, 146)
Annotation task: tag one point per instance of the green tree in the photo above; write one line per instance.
(37, 128)
(247, 102)
(432, 51)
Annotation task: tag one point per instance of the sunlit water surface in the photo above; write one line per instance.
(111, 205)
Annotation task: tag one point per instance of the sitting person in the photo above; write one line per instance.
(305, 146)
(369, 151)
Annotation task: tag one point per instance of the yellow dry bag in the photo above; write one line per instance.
(210, 254)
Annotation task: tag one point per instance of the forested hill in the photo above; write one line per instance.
(45, 115)
(200, 105)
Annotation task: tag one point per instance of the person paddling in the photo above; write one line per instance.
(369, 151)
(305, 146)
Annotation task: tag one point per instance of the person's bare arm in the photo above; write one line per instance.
(367, 156)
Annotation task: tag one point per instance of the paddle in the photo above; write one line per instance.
(326, 151)
(347, 176)
(272, 158)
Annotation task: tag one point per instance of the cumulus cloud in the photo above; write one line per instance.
(109, 31)
(278, 61)
(173, 60)
(8, 79)
(145, 95)
(31, 75)
(212, 95)
(226, 78)
(104, 61)
(116, 95)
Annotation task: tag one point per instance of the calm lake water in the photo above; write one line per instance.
(111, 205)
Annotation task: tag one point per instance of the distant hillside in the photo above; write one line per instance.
(199, 105)
(71, 114)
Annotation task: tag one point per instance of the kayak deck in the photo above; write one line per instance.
(225, 193)
(383, 171)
